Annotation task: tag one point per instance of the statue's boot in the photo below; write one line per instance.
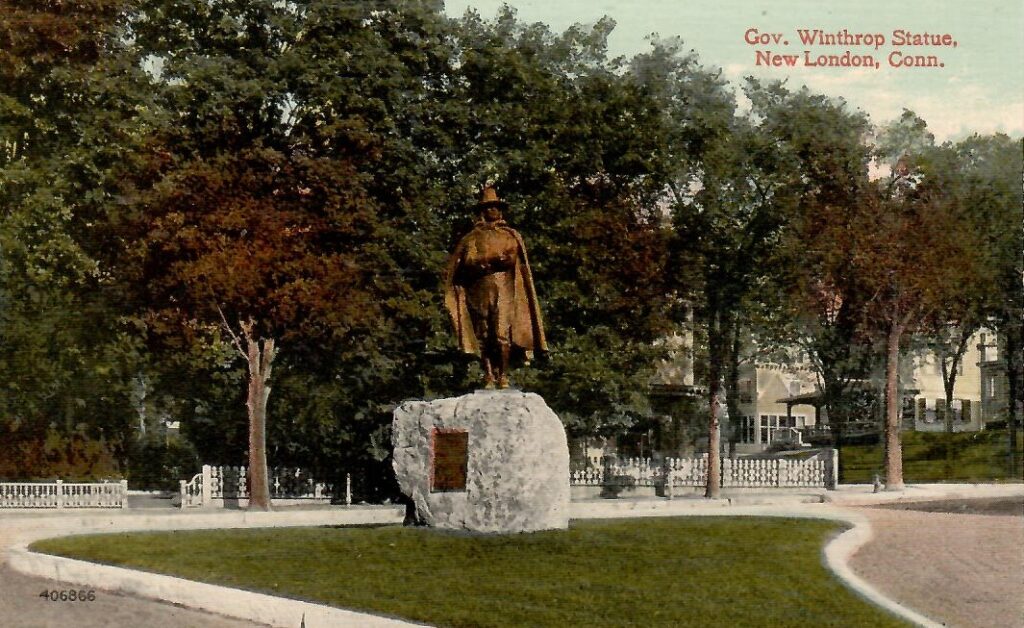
(488, 375)
(503, 373)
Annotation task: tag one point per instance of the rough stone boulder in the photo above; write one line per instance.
(489, 461)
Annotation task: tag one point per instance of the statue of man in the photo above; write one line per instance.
(490, 296)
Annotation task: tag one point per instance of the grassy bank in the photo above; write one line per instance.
(939, 457)
(656, 572)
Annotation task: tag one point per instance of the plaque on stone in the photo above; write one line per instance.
(450, 454)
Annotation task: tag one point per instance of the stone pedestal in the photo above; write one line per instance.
(490, 461)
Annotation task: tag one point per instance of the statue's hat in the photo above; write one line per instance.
(489, 198)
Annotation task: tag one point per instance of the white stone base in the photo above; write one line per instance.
(517, 465)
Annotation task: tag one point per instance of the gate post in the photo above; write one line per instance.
(207, 486)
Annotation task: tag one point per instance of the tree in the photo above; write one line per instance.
(246, 231)
(727, 222)
(990, 168)
(72, 103)
(896, 243)
(822, 145)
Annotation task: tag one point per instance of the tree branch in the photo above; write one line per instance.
(234, 337)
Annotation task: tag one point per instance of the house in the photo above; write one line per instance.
(781, 402)
(925, 396)
(774, 400)
(995, 388)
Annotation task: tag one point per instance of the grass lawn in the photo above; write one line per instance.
(939, 457)
(707, 571)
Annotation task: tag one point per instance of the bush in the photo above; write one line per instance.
(53, 455)
(157, 463)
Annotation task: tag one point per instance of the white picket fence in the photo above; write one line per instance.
(816, 471)
(215, 485)
(62, 494)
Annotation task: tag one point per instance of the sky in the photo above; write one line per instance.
(979, 88)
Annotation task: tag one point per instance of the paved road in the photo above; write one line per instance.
(959, 569)
(21, 607)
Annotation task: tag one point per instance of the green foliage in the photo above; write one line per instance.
(309, 164)
(158, 462)
(329, 166)
(74, 457)
(597, 573)
(71, 103)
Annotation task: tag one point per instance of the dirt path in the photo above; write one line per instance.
(21, 606)
(958, 569)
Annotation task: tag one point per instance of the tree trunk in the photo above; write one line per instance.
(893, 446)
(714, 485)
(1014, 366)
(949, 373)
(948, 380)
(732, 390)
(260, 360)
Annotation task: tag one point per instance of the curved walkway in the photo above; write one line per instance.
(910, 549)
(133, 598)
(961, 569)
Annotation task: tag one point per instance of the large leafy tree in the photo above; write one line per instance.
(990, 168)
(724, 212)
(72, 117)
(252, 236)
(897, 244)
(822, 144)
(575, 142)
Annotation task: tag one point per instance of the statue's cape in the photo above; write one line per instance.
(527, 324)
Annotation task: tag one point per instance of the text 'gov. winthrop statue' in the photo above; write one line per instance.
(490, 296)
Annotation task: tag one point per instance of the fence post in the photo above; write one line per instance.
(124, 494)
(60, 493)
(348, 489)
(726, 476)
(832, 469)
(207, 487)
(669, 478)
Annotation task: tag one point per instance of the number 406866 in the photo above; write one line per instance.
(68, 595)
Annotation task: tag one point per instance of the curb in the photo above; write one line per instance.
(220, 600)
(289, 613)
(837, 552)
(256, 607)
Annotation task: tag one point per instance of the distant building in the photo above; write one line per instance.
(995, 389)
(925, 396)
(781, 403)
(776, 401)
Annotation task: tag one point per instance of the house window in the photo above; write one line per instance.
(746, 429)
(771, 422)
(746, 391)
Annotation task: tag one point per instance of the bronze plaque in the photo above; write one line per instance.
(450, 451)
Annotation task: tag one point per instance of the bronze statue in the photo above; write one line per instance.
(490, 296)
